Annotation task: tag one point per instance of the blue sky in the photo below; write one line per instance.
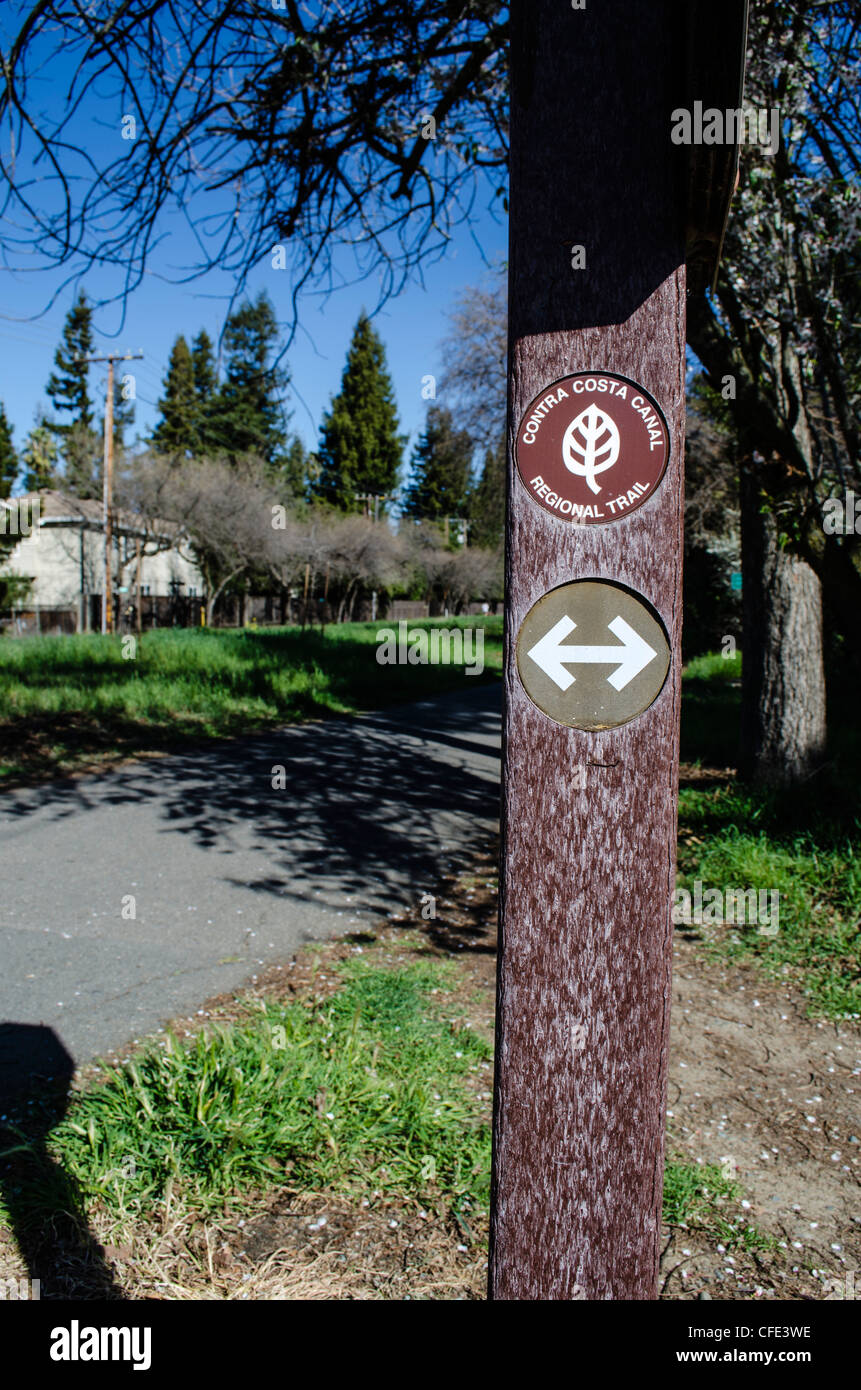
(411, 327)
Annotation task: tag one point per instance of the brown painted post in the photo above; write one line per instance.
(108, 489)
(597, 287)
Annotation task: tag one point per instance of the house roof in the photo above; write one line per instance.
(63, 509)
(55, 506)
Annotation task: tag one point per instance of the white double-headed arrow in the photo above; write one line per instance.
(630, 659)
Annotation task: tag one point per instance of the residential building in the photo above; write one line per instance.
(62, 551)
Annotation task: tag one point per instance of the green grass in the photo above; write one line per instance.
(64, 699)
(818, 880)
(711, 703)
(374, 1089)
(698, 1196)
(365, 1091)
(801, 843)
(713, 666)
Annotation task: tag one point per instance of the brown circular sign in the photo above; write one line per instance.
(592, 447)
(592, 654)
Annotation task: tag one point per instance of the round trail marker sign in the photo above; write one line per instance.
(592, 655)
(592, 447)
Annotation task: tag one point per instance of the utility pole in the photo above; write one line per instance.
(611, 223)
(305, 593)
(108, 480)
(138, 557)
(377, 498)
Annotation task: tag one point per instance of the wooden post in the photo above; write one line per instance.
(305, 594)
(108, 494)
(108, 479)
(596, 421)
(138, 558)
(84, 621)
(325, 602)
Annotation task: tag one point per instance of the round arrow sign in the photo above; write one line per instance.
(592, 655)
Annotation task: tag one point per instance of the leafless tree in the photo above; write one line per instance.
(306, 127)
(363, 553)
(463, 576)
(452, 578)
(229, 518)
(475, 358)
(783, 330)
(298, 549)
(221, 512)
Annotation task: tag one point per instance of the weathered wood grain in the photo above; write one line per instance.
(588, 874)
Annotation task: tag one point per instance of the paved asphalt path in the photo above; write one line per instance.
(226, 872)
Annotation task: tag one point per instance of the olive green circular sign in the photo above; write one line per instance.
(592, 654)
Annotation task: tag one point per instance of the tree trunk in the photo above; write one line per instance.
(346, 601)
(783, 678)
(214, 594)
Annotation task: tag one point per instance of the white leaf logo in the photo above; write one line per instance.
(591, 445)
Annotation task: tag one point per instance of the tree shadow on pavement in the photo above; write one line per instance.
(375, 807)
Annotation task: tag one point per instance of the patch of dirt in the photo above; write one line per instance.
(354, 1249)
(270, 1246)
(772, 1097)
(703, 778)
(42, 748)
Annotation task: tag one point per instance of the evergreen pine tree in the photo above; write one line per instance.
(486, 506)
(176, 431)
(294, 469)
(82, 451)
(39, 456)
(205, 384)
(122, 416)
(8, 474)
(441, 462)
(247, 413)
(203, 364)
(360, 448)
(8, 456)
(69, 392)
(124, 408)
